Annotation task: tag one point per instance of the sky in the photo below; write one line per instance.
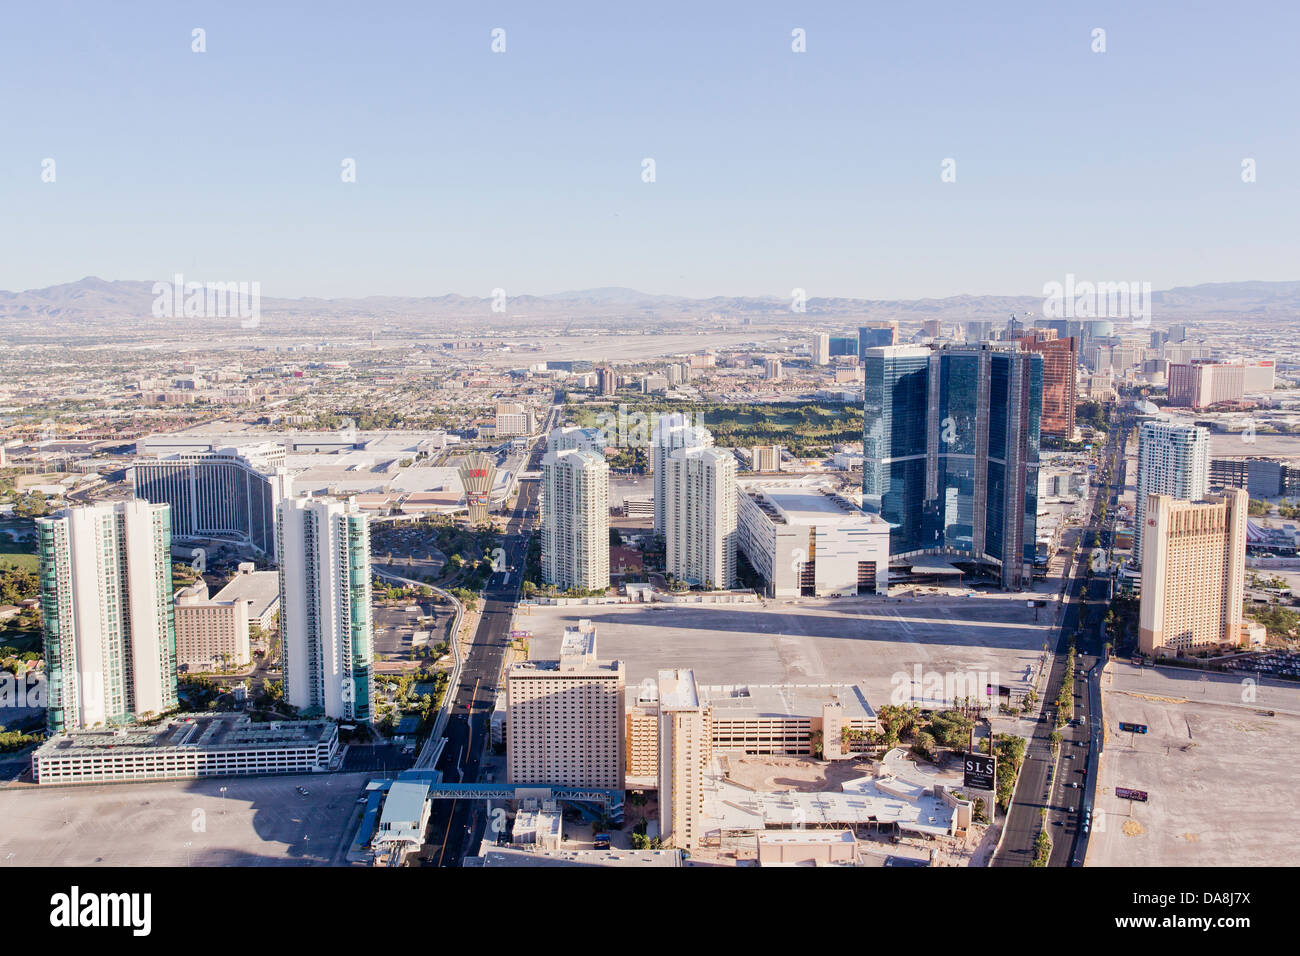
(773, 169)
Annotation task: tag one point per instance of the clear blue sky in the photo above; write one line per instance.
(522, 170)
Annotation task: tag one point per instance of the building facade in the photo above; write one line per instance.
(1193, 573)
(951, 452)
(210, 633)
(325, 593)
(1060, 380)
(223, 492)
(564, 724)
(575, 520)
(684, 754)
(1174, 460)
(700, 516)
(671, 432)
(803, 539)
(106, 605)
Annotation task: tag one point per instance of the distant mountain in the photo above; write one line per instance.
(106, 304)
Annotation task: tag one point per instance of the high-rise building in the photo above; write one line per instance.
(573, 438)
(325, 626)
(608, 380)
(478, 473)
(575, 520)
(876, 336)
(950, 452)
(1060, 378)
(219, 492)
(106, 605)
(685, 750)
(820, 348)
(932, 328)
(1193, 573)
(564, 724)
(772, 369)
(671, 432)
(895, 396)
(1174, 460)
(700, 516)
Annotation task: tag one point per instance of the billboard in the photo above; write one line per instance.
(981, 771)
(1124, 793)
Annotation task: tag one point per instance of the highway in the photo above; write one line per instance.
(1046, 778)
(456, 826)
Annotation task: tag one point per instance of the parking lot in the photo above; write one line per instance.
(257, 821)
(880, 643)
(1218, 771)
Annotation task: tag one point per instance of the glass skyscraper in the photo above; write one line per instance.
(950, 448)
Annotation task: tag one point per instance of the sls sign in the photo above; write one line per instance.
(981, 771)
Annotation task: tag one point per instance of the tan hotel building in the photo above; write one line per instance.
(684, 753)
(1193, 573)
(210, 633)
(564, 724)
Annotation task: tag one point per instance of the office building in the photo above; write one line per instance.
(1060, 378)
(820, 348)
(575, 520)
(565, 718)
(684, 755)
(230, 492)
(106, 605)
(671, 432)
(210, 633)
(950, 453)
(803, 539)
(1174, 460)
(700, 516)
(1193, 573)
(325, 626)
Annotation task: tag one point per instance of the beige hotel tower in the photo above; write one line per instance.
(1193, 572)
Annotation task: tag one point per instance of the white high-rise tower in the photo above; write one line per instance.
(672, 432)
(575, 520)
(325, 628)
(106, 604)
(1173, 460)
(700, 516)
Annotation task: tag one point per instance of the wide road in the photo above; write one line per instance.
(456, 826)
(1042, 786)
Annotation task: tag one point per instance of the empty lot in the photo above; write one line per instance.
(260, 821)
(1220, 775)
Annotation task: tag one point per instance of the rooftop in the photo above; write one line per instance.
(197, 731)
(744, 701)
